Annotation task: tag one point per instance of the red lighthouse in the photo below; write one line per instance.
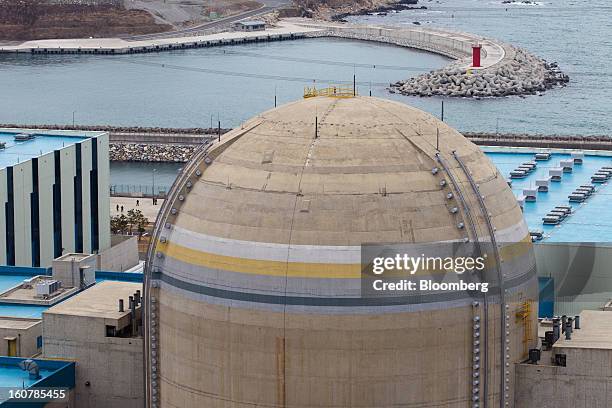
(476, 55)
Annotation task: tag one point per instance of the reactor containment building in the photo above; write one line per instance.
(252, 286)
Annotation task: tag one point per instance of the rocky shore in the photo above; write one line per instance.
(150, 152)
(182, 153)
(337, 10)
(394, 7)
(521, 74)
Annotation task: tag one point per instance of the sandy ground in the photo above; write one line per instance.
(145, 205)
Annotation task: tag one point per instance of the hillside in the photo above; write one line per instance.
(34, 19)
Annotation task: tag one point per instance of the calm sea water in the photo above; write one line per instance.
(186, 88)
(576, 34)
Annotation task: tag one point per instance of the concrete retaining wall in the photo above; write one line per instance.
(122, 255)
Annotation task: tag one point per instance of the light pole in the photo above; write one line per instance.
(73, 112)
(153, 192)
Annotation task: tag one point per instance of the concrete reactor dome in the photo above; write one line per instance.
(252, 286)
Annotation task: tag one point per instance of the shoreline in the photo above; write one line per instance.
(173, 153)
(504, 70)
(172, 145)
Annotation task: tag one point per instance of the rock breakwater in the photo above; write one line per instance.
(150, 152)
(510, 70)
(520, 73)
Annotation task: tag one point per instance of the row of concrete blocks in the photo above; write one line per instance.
(156, 48)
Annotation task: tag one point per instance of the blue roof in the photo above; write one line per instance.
(16, 152)
(11, 276)
(53, 373)
(592, 219)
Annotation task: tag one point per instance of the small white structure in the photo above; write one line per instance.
(567, 165)
(254, 25)
(543, 184)
(530, 194)
(578, 157)
(556, 174)
(542, 156)
(75, 270)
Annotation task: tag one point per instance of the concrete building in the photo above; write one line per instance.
(253, 284)
(105, 342)
(54, 196)
(75, 270)
(575, 373)
(254, 25)
(20, 336)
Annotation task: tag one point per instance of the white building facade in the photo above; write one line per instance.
(55, 202)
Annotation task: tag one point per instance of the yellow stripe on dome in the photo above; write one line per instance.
(261, 267)
(293, 269)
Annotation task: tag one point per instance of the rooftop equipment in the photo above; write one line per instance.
(567, 209)
(31, 367)
(521, 201)
(534, 356)
(577, 197)
(542, 156)
(531, 164)
(518, 174)
(555, 174)
(536, 234)
(567, 165)
(558, 213)
(578, 157)
(586, 191)
(2, 145)
(530, 194)
(22, 137)
(603, 174)
(598, 178)
(47, 288)
(551, 220)
(543, 184)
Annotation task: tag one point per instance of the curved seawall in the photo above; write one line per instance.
(505, 70)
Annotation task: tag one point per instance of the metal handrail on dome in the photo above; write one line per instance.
(337, 91)
(178, 187)
(472, 226)
(487, 218)
(155, 236)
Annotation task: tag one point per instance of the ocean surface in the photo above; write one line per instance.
(193, 87)
(233, 83)
(576, 34)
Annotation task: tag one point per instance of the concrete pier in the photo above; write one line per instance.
(118, 46)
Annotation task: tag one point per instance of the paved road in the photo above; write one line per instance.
(269, 5)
